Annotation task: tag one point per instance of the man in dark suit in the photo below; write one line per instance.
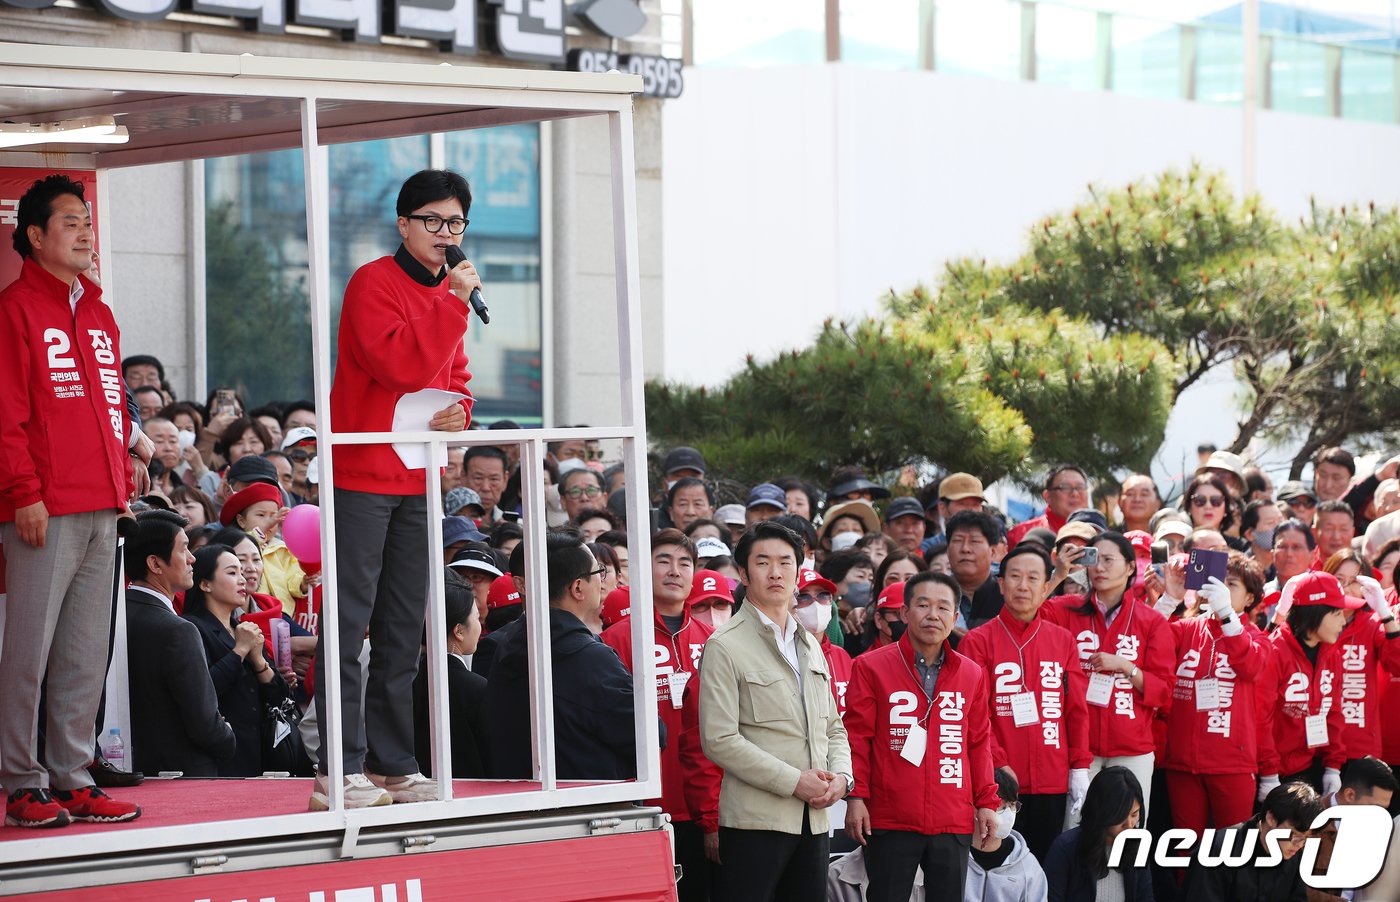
(175, 722)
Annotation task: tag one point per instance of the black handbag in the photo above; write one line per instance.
(282, 748)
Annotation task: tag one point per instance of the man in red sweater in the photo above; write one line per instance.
(401, 331)
(64, 476)
(921, 749)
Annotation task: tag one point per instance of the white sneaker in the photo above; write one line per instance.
(359, 793)
(410, 788)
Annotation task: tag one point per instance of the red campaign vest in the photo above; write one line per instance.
(1390, 698)
(1301, 690)
(1364, 651)
(884, 701)
(671, 654)
(1223, 740)
(1039, 657)
(1141, 635)
(839, 665)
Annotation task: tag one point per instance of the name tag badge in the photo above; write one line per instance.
(1023, 709)
(1100, 689)
(676, 682)
(1208, 694)
(914, 745)
(1316, 727)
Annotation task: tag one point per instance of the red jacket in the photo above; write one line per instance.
(1050, 520)
(838, 664)
(1041, 754)
(673, 654)
(396, 337)
(1303, 690)
(1390, 697)
(1222, 740)
(1141, 635)
(885, 699)
(702, 776)
(64, 426)
(1365, 649)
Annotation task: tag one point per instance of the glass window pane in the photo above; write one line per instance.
(1146, 57)
(1066, 43)
(1298, 77)
(880, 33)
(503, 241)
(978, 37)
(1219, 66)
(1368, 86)
(771, 33)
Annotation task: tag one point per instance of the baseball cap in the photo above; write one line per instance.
(766, 493)
(1041, 535)
(683, 458)
(709, 585)
(959, 486)
(1293, 489)
(241, 501)
(460, 529)
(476, 557)
(1321, 587)
(503, 593)
(459, 498)
(252, 468)
(904, 507)
(891, 598)
(709, 547)
(1094, 518)
(1172, 526)
(1077, 529)
(1141, 542)
(733, 514)
(617, 606)
(1224, 460)
(313, 471)
(808, 578)
(298, 435)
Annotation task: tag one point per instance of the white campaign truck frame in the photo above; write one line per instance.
(182, 106)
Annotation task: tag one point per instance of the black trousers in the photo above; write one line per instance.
(1040, 820)
(697, 871)
(892, 857)
(769, 866)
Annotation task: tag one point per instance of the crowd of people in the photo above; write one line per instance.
(991, 704)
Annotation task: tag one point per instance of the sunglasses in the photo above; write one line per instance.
(1207, 500)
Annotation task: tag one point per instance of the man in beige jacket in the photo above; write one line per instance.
(768, 718)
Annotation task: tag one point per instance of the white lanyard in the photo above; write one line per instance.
(1020, 648)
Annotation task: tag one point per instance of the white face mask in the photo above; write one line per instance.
(814, 617)
(809, 563)
(1081, 579)
(843, 541)
(1006, 819)
(717, 616)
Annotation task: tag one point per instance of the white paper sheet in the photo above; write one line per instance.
(412, 414)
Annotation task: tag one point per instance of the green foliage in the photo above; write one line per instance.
(259, 326)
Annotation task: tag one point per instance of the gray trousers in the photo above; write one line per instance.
(57, 621)
(381, 585)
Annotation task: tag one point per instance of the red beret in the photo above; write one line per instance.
(241, 501)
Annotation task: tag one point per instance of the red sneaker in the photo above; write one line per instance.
(34, 808)
(94, 805)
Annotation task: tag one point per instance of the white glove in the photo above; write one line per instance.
(1331, 781)
(1285, 601)
(1267, 784)
(1166, 605)
(1217, 595)
(1375, 596)
(1078, 788)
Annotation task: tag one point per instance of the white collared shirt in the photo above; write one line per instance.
(75, 294)
(787, 639)
(170, 605)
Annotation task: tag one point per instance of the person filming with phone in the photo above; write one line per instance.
(401, 330)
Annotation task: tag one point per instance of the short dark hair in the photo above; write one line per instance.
(148, 390)
(895, 557)
(705, 521)
(235, 432)
(840, 563)
(1032, 549)
(931, 576)
(598, 513)
(1364, 775)
(516, 564)
(763, 530)
(568, 477)
(1294, 803)
(503, 532)
(36, 206)
(293, 406)
(273, 410)
(800, 525)
(143, 360)
(1254, 480)
(1304, 619)
(1334, 507)
(1338, 456)
(1056, 470)
(490, 451)
(617, 538)
(798, 484)
(1293, 524)
(428, 185)
(674, 537)
(232, 536)
(604, 554)
(182, 493)
(1250, 518)
(687, 483)
(1007, 787)
(974, 520)
(156, 531)
(1249, 572)
(568, 560)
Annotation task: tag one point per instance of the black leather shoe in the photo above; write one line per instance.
(108, 777)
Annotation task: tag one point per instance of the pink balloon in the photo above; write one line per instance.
(302, 533)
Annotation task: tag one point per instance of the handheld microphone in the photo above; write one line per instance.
(455, 256)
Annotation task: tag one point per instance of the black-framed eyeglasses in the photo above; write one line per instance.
(591, 491)
(601, 571)
(434, 224)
